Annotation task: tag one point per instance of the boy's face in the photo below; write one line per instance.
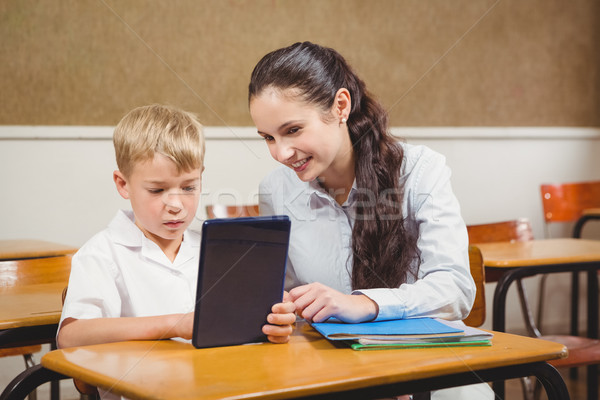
(163, 200)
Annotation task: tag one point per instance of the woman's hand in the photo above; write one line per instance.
(317, 302)
(281, 321)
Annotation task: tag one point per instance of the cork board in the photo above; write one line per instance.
(430, 62)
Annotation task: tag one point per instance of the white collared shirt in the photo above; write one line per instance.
(320, 242)
(121, 273)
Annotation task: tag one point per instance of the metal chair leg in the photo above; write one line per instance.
(528, 386)
(532, 329)
(541, 296)
(29, 363)
(592, 382)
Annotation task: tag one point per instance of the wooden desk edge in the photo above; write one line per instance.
(514, 254)
(54, 359)
(21, 249)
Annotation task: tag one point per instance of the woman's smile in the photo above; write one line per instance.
(301, 165)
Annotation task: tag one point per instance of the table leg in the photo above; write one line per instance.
(499, 317)
(553, 383)
(574, 314)
(499, 308)
(592, 326)
(592, 305)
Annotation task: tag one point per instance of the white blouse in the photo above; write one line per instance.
(320, 243)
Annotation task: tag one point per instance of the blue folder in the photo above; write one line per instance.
(413, 327)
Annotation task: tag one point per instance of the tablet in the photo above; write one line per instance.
(241, 275)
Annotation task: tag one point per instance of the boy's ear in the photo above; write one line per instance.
(121, 184)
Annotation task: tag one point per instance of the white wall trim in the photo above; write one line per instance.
(40, 132)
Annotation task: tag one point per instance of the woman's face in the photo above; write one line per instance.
(301, 137)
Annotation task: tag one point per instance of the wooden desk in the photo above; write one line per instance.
(308, 367)
(30, 314)
(542, 256)
(33, 274)
(30, 298)
(524, 259)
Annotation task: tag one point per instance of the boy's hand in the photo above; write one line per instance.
(317, 302)
(280, 321)
(182, 325)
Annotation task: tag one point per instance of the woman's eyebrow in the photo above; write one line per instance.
(282, 126)
(286, 124)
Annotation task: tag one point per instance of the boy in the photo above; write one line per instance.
(136, 280)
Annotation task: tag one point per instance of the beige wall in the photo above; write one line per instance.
(431, 62)
(57, 186)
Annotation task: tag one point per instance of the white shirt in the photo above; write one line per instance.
(121, 273)
(320, 242)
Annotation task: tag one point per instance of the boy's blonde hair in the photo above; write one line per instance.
(162, 129)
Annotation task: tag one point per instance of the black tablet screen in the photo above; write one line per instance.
(240, 277)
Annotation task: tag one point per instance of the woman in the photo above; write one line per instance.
(376, 230)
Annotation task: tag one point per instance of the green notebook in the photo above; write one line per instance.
(389, 346)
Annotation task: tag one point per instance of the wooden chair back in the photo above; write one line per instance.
(566, 202)
(223, 211)
(477, 315)
(518, 230)
(20, 351)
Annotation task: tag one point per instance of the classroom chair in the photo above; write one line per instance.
(583, 351)
(223, 211)
(578, 203)
(518, 230)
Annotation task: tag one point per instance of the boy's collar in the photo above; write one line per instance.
(124, 231)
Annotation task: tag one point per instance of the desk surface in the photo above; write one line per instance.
(30, 305)
(308, 365)
(26, 248)
(539, 252)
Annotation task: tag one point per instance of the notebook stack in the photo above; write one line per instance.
(403, 333)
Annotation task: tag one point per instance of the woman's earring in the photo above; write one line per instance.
(344, 120)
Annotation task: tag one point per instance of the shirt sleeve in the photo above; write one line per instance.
(445, 287)
(92, 290)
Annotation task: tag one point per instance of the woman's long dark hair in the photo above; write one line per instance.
(383, 247)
